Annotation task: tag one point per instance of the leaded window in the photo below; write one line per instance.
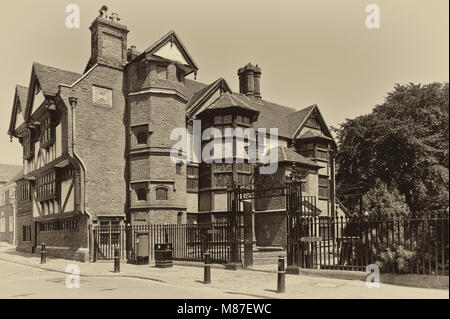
(162, 193)
(47, 137)
(46, 186)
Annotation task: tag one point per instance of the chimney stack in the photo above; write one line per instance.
(108, 40)
(249, 81)
(132, 53)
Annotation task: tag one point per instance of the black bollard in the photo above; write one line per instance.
(116, 259)
(43, 254)
(207, 272)
(281, 287)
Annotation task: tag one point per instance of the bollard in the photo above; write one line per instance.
(207, 272)
(281, 287)
(116, 259)
(43, 254)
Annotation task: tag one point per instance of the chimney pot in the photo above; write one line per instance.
(249, 80)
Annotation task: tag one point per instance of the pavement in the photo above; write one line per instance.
(22, 276)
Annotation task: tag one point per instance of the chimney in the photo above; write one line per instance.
(249, 81)
(132, 53)
(108, 40)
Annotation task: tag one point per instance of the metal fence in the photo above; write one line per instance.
(189, 241)
(416, 244)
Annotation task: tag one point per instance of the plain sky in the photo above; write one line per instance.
(310, 51)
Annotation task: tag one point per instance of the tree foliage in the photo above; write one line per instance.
(403, 143)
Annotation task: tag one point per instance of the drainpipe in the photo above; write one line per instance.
(73, 103)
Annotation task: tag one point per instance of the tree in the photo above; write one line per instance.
(384, 201)
(403, 143)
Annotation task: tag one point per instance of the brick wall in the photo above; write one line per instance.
(100, 138)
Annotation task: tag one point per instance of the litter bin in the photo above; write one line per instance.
(163, 255)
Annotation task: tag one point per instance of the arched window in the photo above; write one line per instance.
(142, 194)
(142, 138)
(180, 218)
(162, 193)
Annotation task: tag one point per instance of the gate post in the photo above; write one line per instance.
(233, 209)
(294, 212)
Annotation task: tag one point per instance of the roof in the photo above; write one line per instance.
(193, 87)
(8, 172)
(313, 134)
(271, 115)
(50, 78)
(285, 154)
(227, 100)
(170, 36)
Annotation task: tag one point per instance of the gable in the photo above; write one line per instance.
(206, 96)
(18, 109)
(18, 116)
(170, 47)
(37, 97)
(171, 51)
(314, 126)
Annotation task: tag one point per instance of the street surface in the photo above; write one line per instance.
(18, 281)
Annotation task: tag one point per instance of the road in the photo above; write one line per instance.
(19, 281)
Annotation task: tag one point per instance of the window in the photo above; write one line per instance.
(24, 190)
(68, 224)
(162, 193)
(2, 224)
(161, 72)
(11, 224)
(46, 186)
(307, 150)
(47, 137)
(324, 187)
(28, 145)
(26, 233)
(142, 194)
(142, 138)
(192, 178)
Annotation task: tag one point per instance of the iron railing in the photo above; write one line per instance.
(414, 244)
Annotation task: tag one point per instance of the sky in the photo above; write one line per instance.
(310, 51)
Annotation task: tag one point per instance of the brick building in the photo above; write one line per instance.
(9, 174)
(96, 145)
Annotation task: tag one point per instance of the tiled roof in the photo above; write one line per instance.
(227, 100)
(271, 115)
(8, 172)
(193, 87)
(313, 134)
(285, 154)
(49, 78)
